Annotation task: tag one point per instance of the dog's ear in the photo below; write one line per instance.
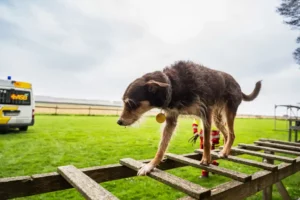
(153, 85)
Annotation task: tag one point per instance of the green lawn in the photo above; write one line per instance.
(93, 141)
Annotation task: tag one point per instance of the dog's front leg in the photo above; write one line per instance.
(169, 128)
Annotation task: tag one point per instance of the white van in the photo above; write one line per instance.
(16, 104)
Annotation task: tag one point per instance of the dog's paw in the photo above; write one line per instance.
(223, 154)
(145, 169)
(205, 161)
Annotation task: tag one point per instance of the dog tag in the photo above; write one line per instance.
(160, 118)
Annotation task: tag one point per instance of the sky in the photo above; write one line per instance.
(93, 49)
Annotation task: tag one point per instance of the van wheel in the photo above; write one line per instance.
(23, 128)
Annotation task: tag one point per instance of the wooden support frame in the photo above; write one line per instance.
(187, 187)
(13, 187)
(260, 180)
(239, 187)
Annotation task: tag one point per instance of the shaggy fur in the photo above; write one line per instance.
(186, 88)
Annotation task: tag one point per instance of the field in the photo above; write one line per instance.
(97, 140)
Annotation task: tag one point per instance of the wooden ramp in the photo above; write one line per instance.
(86, 181)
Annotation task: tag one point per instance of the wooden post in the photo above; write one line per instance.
(283, 192)
(56, 110)
(267, 192)
(89, 110)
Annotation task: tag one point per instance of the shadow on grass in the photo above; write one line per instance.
(11, 131)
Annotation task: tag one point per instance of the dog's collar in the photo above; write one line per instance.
(169, 92)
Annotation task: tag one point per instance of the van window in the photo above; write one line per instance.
(14, 97)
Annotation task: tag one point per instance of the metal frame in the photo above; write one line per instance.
(289, 112)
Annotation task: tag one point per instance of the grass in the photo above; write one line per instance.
(92, 141)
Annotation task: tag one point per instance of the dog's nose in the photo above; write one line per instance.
(120, 122)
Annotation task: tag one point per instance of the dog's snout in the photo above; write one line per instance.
(120, 122)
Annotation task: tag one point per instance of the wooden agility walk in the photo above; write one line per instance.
(87, 180)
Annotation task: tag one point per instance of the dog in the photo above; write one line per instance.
(186, 88)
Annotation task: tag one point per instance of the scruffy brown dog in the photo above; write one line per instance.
(186, 88)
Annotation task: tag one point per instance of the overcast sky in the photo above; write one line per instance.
(94, 49)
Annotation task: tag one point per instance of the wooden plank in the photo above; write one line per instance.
(280, 142)
(282, 191)
(264, 155)
(84, 184)
(260, 180)
(211, 168)
(253, 163)
(14, 187)
(257, 147)
(280, 146)
(185, 186)
(267, 192)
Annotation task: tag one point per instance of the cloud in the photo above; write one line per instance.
(94, 49)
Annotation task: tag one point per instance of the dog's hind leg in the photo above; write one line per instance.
(230, 115)
(169, 128)
(207, 120)
(220, 124)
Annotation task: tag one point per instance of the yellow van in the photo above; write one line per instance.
(16, 104)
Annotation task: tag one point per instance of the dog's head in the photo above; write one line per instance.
(142, 95)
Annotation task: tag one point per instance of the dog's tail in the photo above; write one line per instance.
(254, 93)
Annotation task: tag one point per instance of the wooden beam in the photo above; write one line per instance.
(267, 192)
(13, 187)
(211, 168)
(260, 180)
(264, 155)
(281, 146)
(185, 186)
(258, 147)
(253, 163)
(84, 184)
(280, 142)
(282, 191)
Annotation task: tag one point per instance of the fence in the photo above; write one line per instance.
(81, 109)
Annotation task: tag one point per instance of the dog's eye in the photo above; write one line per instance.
(132, 105)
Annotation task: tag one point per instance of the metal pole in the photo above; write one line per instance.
(275, 117)
(287, 114)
